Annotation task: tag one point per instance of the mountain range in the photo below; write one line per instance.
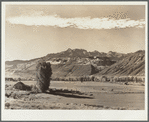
(80, 62)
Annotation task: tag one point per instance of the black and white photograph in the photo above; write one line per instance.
(81, 57)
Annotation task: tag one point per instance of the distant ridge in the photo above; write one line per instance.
(82, 53)
(79, 62)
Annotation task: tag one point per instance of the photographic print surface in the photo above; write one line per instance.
(75, 56)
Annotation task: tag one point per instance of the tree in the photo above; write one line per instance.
(82, 79)
(92, 78)
(43, 75)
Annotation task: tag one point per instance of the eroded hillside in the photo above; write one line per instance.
(132, 64)
(79, 62)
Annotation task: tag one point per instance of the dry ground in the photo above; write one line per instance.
(77, 95)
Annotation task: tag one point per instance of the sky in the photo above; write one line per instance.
(33, 31)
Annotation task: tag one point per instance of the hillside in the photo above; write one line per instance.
(79, 62)
(132, 64)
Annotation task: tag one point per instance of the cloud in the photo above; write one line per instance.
(81, 23)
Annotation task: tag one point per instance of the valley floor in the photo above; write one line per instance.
(78, 96)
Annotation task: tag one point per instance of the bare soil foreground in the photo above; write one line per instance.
(78, 96)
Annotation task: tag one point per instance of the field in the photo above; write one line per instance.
(78, 96)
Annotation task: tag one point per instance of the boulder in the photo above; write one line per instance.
(22, 86)
(43, 76)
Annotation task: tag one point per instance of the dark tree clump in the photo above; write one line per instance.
(43, 76)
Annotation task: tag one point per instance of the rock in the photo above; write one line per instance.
(22, 86)
(43, 75)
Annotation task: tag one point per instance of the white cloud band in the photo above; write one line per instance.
(81, 23)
